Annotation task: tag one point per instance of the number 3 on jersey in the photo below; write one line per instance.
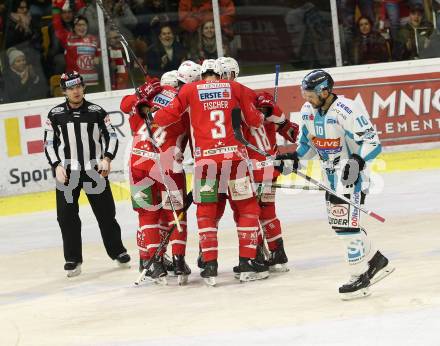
(219, 121)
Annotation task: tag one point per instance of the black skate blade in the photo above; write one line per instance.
(381, 274)
(361, 293)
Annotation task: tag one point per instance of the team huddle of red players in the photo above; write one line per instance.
(194, 105)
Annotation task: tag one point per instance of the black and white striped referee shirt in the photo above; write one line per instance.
(83, 135)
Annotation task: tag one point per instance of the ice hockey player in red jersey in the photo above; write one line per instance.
(264, 138)
(219, 163)
(149, 194)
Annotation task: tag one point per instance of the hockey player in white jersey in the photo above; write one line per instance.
(339, 131)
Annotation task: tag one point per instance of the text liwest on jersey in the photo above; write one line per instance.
(215, 105)
(327, 145)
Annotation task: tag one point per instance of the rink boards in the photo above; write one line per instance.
(402, 98)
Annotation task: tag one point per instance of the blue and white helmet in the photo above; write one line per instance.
(169, 78)
(317, 81)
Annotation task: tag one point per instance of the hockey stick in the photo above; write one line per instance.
(127, 66)
(236, 125)
(275, 90)
(294, 187)
(123, 40)
(158, 151)
(164, 242)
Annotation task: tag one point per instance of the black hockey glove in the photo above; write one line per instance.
(286, 163)
(352, 170)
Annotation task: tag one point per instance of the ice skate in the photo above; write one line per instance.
(378, 268)
(277, 259)
(123, 260)
(209, 273)
(236, 271)
(251, 270)
(260, 258)
(168, 263)
(357, 287)
(158, 271)
(181, 269)
(142, 265)
(200, 262)
(73, 269)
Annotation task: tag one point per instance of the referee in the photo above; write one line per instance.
(80, 144)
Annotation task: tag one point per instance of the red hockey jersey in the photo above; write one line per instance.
(171, 140)
(210, 105)
(79, 51)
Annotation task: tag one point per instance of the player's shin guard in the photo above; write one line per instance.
(271, 225)
(178, 240)
(148, 236)
(206, 213)
(358, 248)
(248, 213)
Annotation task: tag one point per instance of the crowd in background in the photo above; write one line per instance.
(41, 39)
(388, 30)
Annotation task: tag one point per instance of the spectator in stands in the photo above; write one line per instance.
(118, 71)
(2, 20)
(204, 45)
(40, 8)
(369, 46)
(167, 55)
(82, 52)
(120, 12)
(22, 82)
(415, 35)
(346, 12)
(193, 13)
(391, 10)
(151, 17)
(20, 27)
(56, 63)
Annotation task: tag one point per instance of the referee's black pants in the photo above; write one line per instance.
(103, 207)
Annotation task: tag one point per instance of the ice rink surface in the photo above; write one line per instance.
(40, 306)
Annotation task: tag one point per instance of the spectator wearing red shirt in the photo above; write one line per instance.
(193, 13)
(118, 71)
(82, 52)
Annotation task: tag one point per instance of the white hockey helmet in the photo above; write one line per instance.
(169, 78)
(230, 65)
(188, 72)
(212, 65)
